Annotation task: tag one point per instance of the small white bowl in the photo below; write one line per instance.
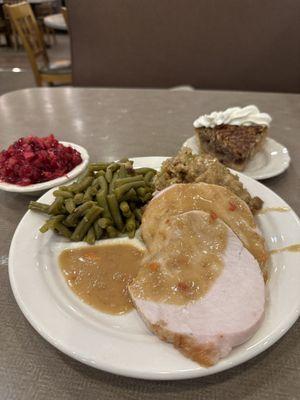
(38, 188)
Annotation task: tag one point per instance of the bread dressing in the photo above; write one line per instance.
(100, 275)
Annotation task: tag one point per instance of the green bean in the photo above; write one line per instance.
(56, 206)
(112, 232)
(70, 205)
(96, 182)
(62, 230)
(86, 222)
(103, 184)
(124, 207)
(83, 207)
(138, 214)
(78, 198)
(120, 191)
(115, 211)
(113, 181)
(71, 221)
(62, 193)
(99, 173)
(83, 185)
(114, 166)
(110, 170)
(85, 174)
(129, 179)
(141, 191)
(104, 222)
(149, 189)
(147, 197)
(90, 236)
(36, 206)
(73, 218)
(63, 188)
(49, 224)
(144, 171)
(89, 193)
(149, 176)
(122, 172)
(97, 166)
(130, 223)
(102, 202)
(131, 234)
(130, 195)
(108, 175)
(98, 230)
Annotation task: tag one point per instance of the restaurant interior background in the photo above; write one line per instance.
(231, 45)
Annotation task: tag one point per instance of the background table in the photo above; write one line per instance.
(113, 124)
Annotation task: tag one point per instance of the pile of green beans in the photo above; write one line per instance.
(105, 202)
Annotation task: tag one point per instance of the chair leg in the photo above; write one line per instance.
(8, 39)
(54, 36)
(16, 38)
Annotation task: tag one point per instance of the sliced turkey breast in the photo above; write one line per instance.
(199, 287)
(217, 200)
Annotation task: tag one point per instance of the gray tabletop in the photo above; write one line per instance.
(113, 123)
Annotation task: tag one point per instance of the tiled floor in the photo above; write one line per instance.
(15, 72)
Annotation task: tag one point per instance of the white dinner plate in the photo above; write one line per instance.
(122, 344)
(271, 160)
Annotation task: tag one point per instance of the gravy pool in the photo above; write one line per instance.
(99, 275)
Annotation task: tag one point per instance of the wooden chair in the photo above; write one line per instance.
(12, 32)
(42, 10)
(64, 12)
(27, 27)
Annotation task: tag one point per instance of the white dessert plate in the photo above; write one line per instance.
(271, 160)
(39, 188)
(122, 344)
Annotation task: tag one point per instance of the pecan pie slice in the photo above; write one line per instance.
(233, 145)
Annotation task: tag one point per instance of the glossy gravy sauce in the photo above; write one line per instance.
(275, 209)
(293, 248)
(185, 259)
(212, 199)
(100, 275)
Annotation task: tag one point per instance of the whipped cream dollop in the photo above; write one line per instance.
(249, 115)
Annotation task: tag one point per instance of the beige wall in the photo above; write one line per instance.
(214, 44)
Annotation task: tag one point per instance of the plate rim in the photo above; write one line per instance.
(178, 375)
(261, 176)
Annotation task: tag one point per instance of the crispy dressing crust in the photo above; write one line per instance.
(206, 355)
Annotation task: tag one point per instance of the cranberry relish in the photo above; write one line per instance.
(33, 160)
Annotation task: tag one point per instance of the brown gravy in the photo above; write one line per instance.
(275, 209)
(184, 260)
(99, 275)
(294, 248)
(212, 199)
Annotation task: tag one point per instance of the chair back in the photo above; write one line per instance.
(27, 27)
